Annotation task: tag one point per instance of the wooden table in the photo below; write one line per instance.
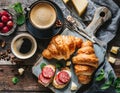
(28, 82)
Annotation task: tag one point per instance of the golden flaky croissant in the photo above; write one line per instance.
(85, 62)
(61, 47)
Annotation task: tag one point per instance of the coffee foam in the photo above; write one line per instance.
(43, 15)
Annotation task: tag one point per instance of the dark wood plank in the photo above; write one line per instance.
(27, 82)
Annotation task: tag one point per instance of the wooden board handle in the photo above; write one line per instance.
(102, 14)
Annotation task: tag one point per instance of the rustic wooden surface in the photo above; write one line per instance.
(28, 82)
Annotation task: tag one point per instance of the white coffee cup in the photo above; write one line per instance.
(23, 46)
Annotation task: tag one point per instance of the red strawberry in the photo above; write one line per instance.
(5, 13)
(10, 24)
(4, 18)
(5, 29)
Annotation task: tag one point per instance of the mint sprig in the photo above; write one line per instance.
(100, 76)
(20, 13)
(111, 82)
(117, 85)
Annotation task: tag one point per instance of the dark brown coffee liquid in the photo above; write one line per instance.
(26, 46)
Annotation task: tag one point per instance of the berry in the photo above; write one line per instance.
(5, 29)
(4, 19)
(10, 24)
(5, 13)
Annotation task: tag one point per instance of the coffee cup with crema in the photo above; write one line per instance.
(42, 15)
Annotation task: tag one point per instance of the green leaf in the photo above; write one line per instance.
(20, 14)
(58, 66)
(101, 76)
(15, 80)
(117, 85)
(42, 65)
(117, 90)
(108, 83)
(111, 77)
(117, 82)
(18, 7)
(20, 19)
(105, 86)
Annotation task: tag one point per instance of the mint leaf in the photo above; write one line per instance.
(18, 7)
(42, 65)
(58, 66)
(109, 82)
(20, 19)
(117, 85)
(105, 86)
(101, 76)
(20, 14)
(15, 80)
(111, 77)
(117, 82)
(117, 90)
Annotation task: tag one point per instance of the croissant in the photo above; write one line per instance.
(84, 79)
(84, 70)
(62, 47)
(86, 59)
(85, 62)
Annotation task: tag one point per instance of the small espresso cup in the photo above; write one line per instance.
(23, 46)
(42, 15)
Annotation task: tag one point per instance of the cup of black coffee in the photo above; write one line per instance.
(23, 46)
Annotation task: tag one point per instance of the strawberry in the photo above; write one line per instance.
(10, 24)
(5, 29)
(5, 13)
(4, 18)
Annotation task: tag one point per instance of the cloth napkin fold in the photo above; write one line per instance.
(107, 32)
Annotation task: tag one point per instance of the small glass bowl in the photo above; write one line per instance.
(14, 21)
